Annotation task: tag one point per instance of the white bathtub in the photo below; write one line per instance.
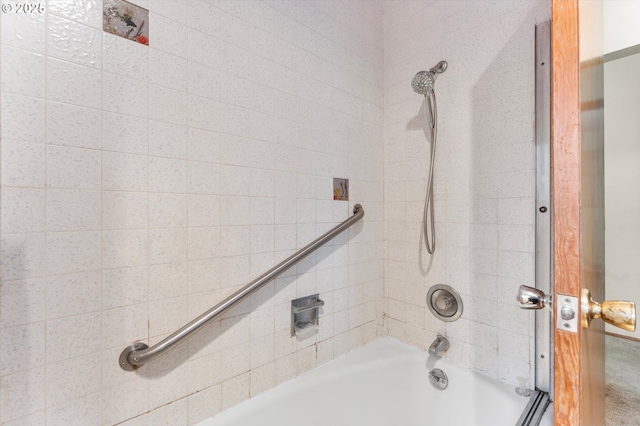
(384, 383)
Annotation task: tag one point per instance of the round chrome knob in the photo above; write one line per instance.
(531, 298)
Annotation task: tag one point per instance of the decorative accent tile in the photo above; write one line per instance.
(341, 189)
(127, 20)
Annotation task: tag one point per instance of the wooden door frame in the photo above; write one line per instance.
(574, 208)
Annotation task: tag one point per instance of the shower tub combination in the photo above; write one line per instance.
(384, 383)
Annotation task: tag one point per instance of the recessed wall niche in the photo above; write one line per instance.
(341, 189)
(127, 20)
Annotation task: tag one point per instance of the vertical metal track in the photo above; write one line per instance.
(544, 209)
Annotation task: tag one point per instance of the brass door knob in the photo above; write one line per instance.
(620, 313)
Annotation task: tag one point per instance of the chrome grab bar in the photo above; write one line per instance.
(139, 353)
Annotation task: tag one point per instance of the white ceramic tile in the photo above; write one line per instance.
(167, 210)
(234, 210)
(28, 340)
(167, 105)
(285, 210)
(118, 406)
(516, 211)
(78, 377)
(122, 326)
(262, 183)
(204, 81)
(286, 368)
(125, 95)
(235, 360)
(73, 125)
(235, 390)
(22, 302)
(513, 345)
(69, 252)
(204, 404)
(69, 167)
(22, 210)
(167, 175)
(262, 154)
(262, 238)
(204, 275)
(77, 412)
(124, 172)
(23, 394)
(204, 210)
(285, 237)
(485, 361)
(510, 369)
(125, 133)
(14, 79)
(262, 211)
(235, 332)
(515, 264)
(262, 351)
(36, 419)
(234, 240)
(121, 249)
(73, 210)
(515, 237)
(124, 210)
(25, 31)
(207, 50)
(74, 84)
(74, 42)
(122, 57)
(170, 9)
(167, 245)
(121, 287)
(168, 35)
(22, 164)
(168, 70)
(262, 378)
(23, 118)
(167, 140)
(168, 315)
(216, 116)
(167, 281)
(204, 243)
(204, 178)
(73, 294)
(86, 12)
(67, 337)
(234, 150)
(306, 359)
(112, 374)
(22, 255)
(174, 414)
(204, 145)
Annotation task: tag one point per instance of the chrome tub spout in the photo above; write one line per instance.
(439, 346)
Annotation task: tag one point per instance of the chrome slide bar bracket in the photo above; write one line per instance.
(139, 353)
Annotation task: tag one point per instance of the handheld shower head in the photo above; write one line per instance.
(424, 81)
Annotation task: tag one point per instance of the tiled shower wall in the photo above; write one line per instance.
(141, 185)
(484, 185)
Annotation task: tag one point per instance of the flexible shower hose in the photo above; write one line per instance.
(429, 221)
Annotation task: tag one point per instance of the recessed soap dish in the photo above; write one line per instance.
(305, 315)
